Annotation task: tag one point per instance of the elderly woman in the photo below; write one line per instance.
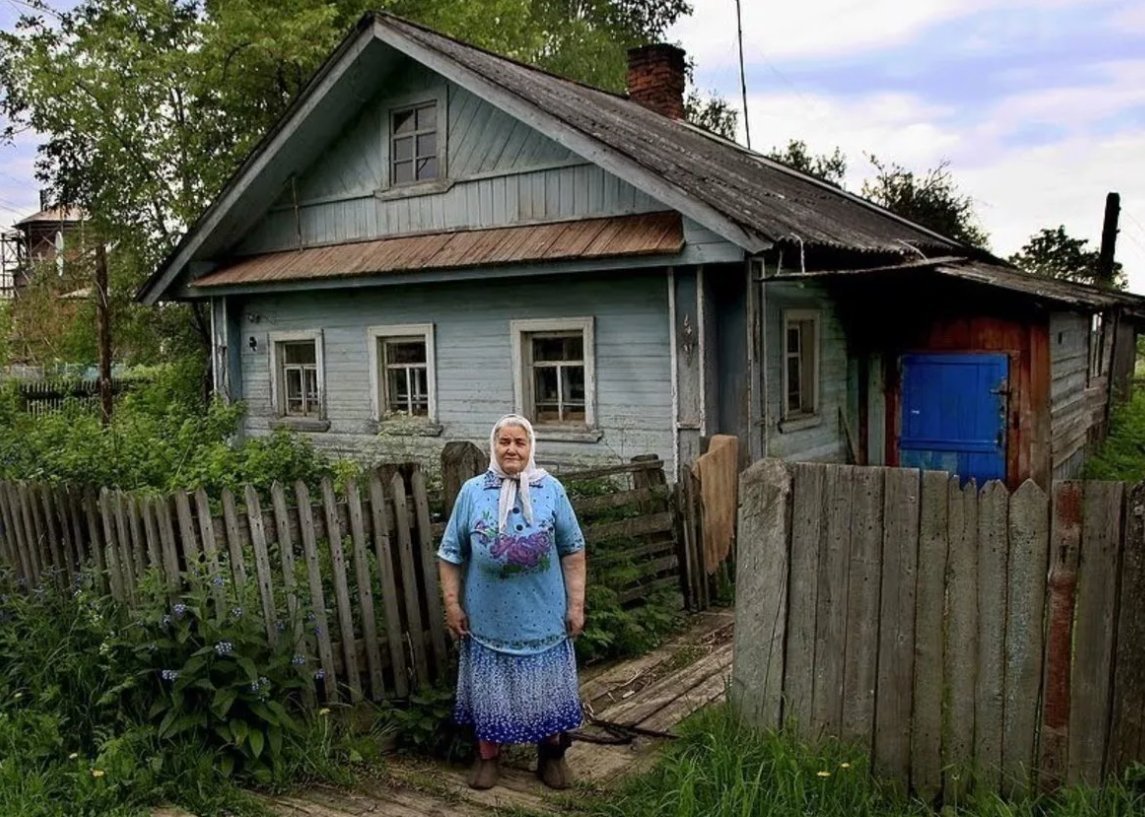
(512, 571)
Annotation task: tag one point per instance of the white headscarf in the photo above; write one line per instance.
(514, 486)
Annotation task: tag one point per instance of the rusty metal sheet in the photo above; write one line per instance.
(650, 233)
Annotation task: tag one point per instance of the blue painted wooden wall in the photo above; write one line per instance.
(474, 371)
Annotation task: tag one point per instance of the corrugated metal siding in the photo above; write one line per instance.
(474, 372)
(824, 442)
(1077, 404)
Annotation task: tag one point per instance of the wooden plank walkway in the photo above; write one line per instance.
(655, 692)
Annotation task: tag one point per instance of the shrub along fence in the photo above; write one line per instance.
(349, 575)
(913, 616)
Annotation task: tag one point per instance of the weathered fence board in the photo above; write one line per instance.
(234, 538)
(409, 577)
(429, 569)
(390, 611)
(365, 592)
(802, 597)
(831, 614)
(1094, 620)
(261, 564)
(341, 590)
(894, 683)
(1028, 532)
(1065, 544)
(860, 667)
(1127, 737)
(317, 614)
(961, 653)
(993, 524)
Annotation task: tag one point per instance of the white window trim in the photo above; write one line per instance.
(795, 316)
(441, 98)
(276, 385)
(374, 335)
(523, 386)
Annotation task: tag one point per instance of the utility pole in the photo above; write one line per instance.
(103, 321)
(1105, 258)
(742, 76)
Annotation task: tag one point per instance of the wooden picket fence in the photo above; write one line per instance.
(367, 611)
(960, 636)
(39, 397)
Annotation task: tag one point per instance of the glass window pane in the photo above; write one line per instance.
(793, 338)
(398, 390)
(403, 172)
(544, 385)
(312, 388)
(573, 385)
(293, 384)
(403, 149)
(549, 348)
(403, 121)
(427, 145)
(419, 398)
(427, 117)
(426, 169)
(405, 351)
(793, 384)
(302, 352)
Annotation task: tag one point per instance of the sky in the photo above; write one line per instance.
(1038, 105)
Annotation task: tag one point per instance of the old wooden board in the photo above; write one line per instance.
(261, 564)
(138, 531)
(234, 538)
(660, 694)
(111, 547)
(993, 528)
(860, 668)
(926, 722)
(383, 552)
(52, 531)
(1094, 625)
(188, 542)
(126, 551)
(341, 590)
(15, 532)
(895, 682)
(95, 537)
(831, 615)
(317, 614)
(1127, 735)
(428, 556)
(961, 649)
(160, 505)
(365, 590)
(34, 522)
(409, 580)
(1029, 530)
(58, 496)
(1065, 546)
(75, 517)
(807, 529)
(210, 549)
(708, 691)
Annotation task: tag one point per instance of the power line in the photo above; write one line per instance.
(742, 75)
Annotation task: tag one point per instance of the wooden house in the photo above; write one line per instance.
(433, 235)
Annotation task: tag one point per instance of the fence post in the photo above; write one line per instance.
(756, 691)
(460, 461)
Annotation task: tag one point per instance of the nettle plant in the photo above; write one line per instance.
(218, 678)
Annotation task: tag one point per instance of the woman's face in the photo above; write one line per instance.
(513, 449)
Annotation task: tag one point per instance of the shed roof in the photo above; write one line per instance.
(998, 275)
(647, 234)
(53, 215)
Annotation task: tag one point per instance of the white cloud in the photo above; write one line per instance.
(826, 28)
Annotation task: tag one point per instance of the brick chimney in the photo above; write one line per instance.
(656, 78)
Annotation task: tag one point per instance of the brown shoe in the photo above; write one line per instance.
(552, 768)
(485, 773)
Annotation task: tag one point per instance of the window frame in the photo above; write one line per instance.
(437, 97)
(1097, 331)
(523, 384)
(800, 316)
(379, 383)
(275, 341)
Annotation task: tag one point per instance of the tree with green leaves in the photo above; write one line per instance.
(1054, 253)
(931, 199)
(829, 167)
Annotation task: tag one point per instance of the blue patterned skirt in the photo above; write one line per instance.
(517, 698)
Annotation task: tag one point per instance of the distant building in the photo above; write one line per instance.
(54, 235)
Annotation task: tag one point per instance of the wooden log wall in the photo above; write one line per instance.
(962, 636)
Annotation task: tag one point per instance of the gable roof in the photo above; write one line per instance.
(742, 196)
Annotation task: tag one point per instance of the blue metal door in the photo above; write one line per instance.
(954, 414)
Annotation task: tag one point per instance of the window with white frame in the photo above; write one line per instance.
(402, 371)
(555, 372)
(414, 144)
(296, 363)
(800, 363)
(1096, 346)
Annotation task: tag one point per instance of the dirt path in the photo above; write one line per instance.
(654, 692)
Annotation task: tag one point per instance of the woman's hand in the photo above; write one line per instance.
(456, 620)
(575, 620)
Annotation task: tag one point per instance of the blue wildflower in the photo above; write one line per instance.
(180, 610)
(169, 674)
(166, 621)
(298, 660)
(318, 630)
(218, 581)
(319, 674)
(224, 648)
(237, 612)
(280, 625)
(311, 617)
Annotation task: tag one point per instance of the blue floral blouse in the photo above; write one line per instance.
(514, 588)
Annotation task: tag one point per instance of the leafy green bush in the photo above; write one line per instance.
(425, 725)
(1122, 455)
(162, 436)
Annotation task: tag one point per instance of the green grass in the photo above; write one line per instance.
(719, 769)
(1122, 455)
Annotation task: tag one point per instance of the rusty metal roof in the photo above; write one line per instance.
(647, 234)
(763, 196)
(53, 215)
(1009, 278)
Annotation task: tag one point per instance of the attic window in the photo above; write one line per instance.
(414, 144)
